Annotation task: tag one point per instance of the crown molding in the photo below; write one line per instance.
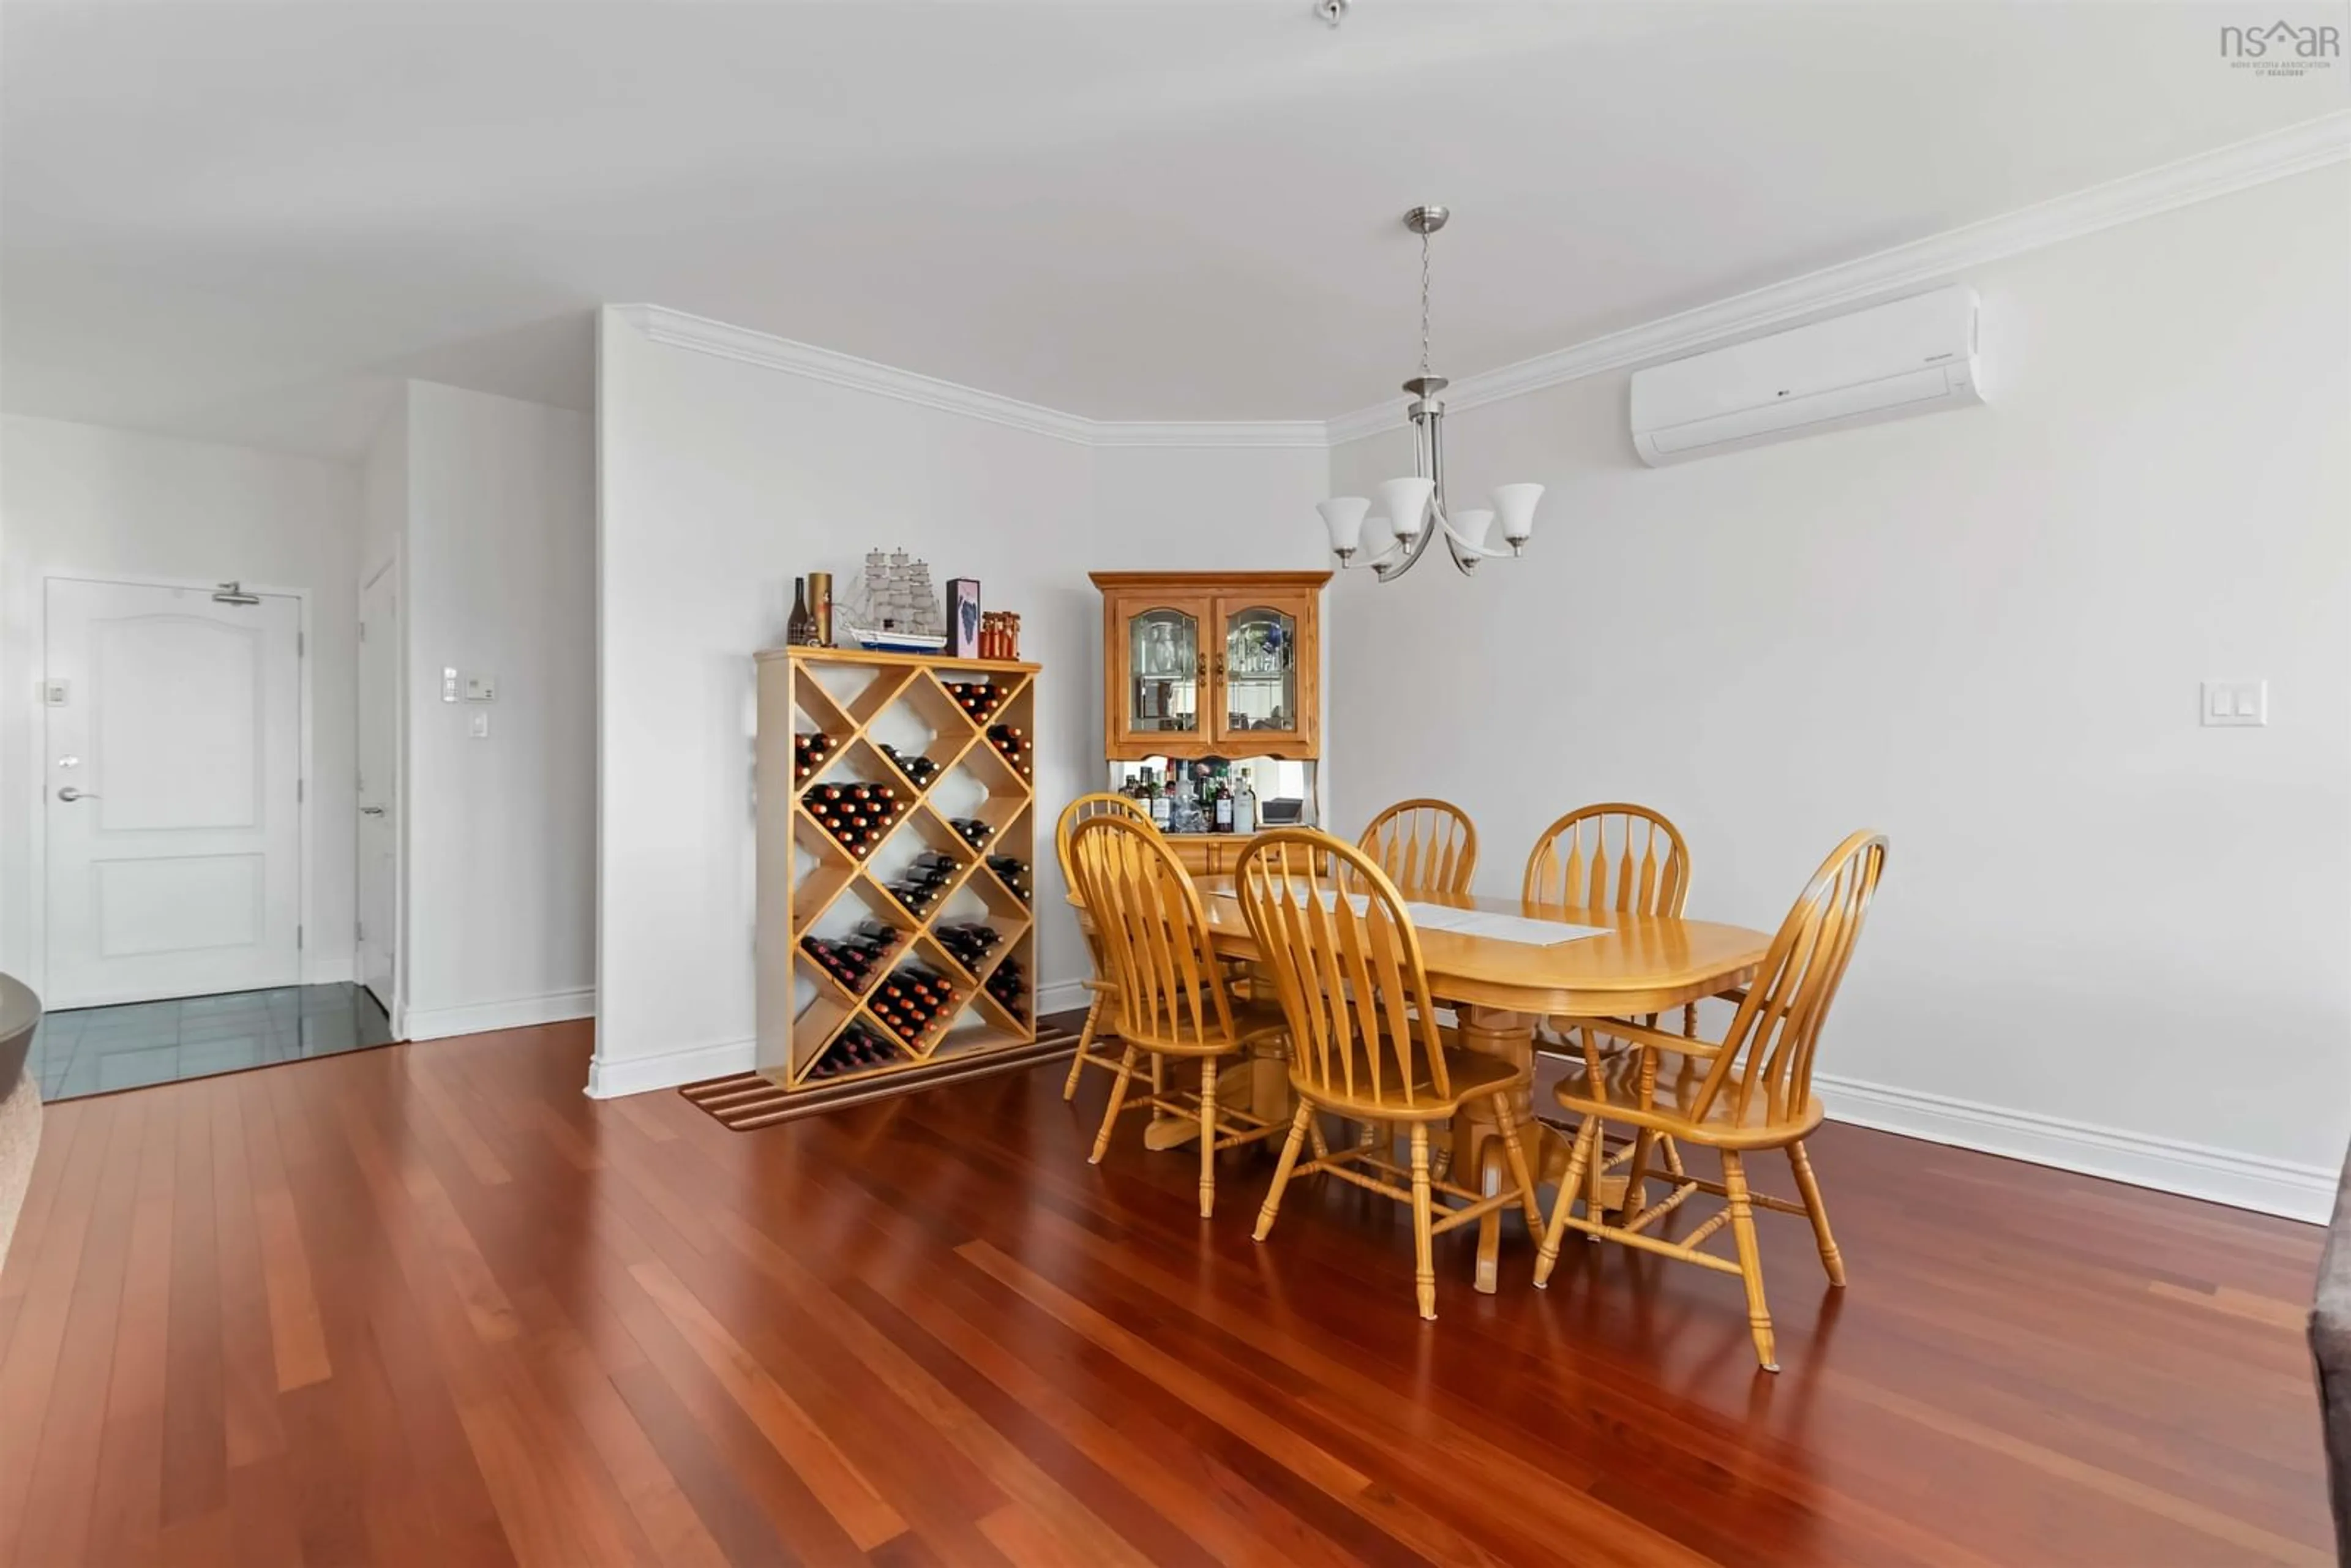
(680, 329)
(1305, 433)
(2309, 145)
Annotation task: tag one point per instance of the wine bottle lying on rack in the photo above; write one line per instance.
(856, 1048)
(968, 943)
(1007, 738)
(809, 749)
(971, 830)
(910, 1000)
(1013, 871)
(851, 961)
(914, 895)
(1010, 984)
(977, 698)
(921, 769)
(857, 815)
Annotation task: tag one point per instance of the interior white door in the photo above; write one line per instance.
(379, 781)
(170, 781)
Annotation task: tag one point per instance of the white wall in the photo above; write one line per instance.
(499, 567)
(85, 500)
(721, 480)
(2107, 938)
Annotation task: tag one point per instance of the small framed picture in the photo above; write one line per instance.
(963, 618)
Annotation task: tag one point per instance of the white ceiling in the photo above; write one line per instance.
(223, 219)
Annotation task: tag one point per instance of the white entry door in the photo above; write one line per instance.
(379, 781)
(171, 778)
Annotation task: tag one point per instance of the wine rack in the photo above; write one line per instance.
(897, 829)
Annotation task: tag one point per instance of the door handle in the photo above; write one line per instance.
(69, 794)
(370, 810)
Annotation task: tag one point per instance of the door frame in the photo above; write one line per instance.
(306, 851)
(395, 1005)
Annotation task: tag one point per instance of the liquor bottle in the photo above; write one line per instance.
(1162, 809)
(801, 630)
(1244, 808)
(1224, 807)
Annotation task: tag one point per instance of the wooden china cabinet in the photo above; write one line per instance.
(1222, 665)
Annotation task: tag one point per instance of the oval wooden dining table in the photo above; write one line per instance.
(1501, 990)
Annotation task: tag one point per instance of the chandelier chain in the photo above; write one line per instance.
(1424, 304)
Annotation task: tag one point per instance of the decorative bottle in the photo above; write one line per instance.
(801, 630)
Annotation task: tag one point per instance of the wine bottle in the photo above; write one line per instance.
(799, 631)
(1224, 807)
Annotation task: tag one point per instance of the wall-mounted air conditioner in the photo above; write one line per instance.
(1914, 356)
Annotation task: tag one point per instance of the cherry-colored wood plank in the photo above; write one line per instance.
(431, 1305)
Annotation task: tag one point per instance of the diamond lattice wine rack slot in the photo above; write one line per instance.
(897, 818)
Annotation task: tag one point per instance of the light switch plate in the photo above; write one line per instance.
(448, 686)
(478, 726)
(2236, 704)
(481, 688)
(54, 693)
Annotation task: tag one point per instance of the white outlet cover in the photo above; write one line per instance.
(2230, 705)
(478, 726)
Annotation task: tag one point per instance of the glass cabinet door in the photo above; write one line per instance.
(1163, 669)
(1260, 689)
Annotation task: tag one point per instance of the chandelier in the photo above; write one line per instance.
(1416, 511)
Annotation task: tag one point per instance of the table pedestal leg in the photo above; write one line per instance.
(1477, 1140)
(1259, 1086)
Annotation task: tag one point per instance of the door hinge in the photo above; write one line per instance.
(358, 930)
(298, 937)
(363, 631)
(301, 790)
(301, 643)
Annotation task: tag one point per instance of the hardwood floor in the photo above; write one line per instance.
(429, 1305)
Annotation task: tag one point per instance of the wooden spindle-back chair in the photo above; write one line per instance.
(1076, 811)
(1364, 1042)
(1750, 1090)
(1424, 846)
(1172, 998)
(1614, 855)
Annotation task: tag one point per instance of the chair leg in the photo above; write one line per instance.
(1117, 1098)
(1272, 1205)
(1085, 1044)
(1208, 1137)
(1750, 1258)
(1808, 1185)
(1424, 1270)
(1547, 1257)
(1507, 1122)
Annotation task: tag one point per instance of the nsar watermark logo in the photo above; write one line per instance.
(2282, 49)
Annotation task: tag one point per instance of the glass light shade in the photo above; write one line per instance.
(1473, 527)
(1516, 503)
(1407, 503)
(1343, 515)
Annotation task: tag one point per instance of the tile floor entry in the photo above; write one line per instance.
(94, 1051)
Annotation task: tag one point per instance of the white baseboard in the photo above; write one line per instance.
(514, 1013)
(1061, 996)
(668, 1069)
(2193, 1170)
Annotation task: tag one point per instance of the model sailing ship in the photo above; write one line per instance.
(895, 609)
